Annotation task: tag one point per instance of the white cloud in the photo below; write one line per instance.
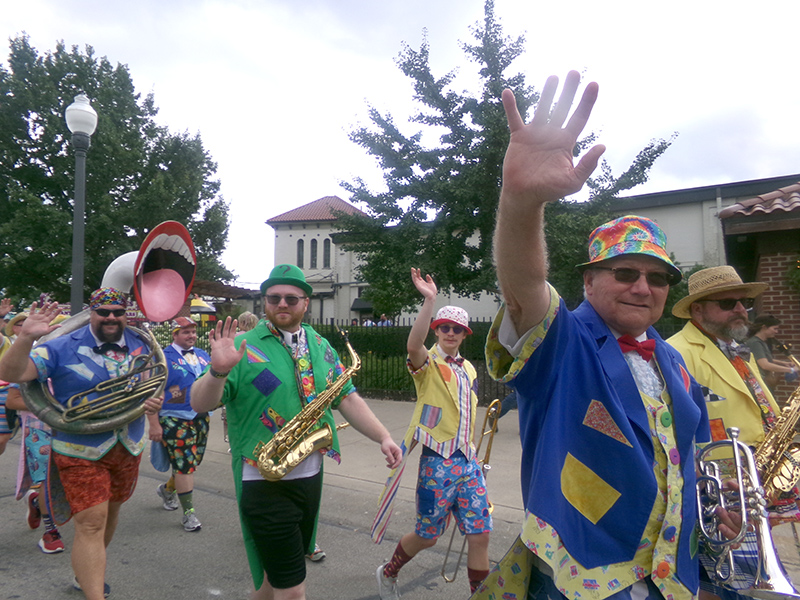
(274, 87)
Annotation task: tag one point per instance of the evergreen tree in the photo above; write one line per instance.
(438, 211)
(138, 173)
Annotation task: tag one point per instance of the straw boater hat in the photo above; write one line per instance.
(712, 281)
(16, 319)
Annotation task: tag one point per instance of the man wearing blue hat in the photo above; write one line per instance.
(607, 428)
(265, 377)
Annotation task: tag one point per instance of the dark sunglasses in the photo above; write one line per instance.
(105, 312)
(457, 329)
(654, 278)
(730, 303)
(290, 300)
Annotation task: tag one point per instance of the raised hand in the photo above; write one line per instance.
(538, 165)
(224, 355)
(38, 322)
(425, 286)
(5, 306)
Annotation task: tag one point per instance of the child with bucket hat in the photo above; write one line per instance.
(450, 478)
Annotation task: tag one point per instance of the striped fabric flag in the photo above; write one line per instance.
(381, 521)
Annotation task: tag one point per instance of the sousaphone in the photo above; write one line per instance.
(160, 275)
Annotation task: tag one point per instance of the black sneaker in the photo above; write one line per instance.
(106, 587)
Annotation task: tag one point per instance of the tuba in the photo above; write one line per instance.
(300, 437)
(165, 259)
(749, 498)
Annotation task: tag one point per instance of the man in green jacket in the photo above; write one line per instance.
(265, 377)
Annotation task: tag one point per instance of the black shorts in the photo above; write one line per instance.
(281, 517)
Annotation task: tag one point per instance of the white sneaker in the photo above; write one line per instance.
(387, 586)
(317, 555)
(170, 499)
(190, 521)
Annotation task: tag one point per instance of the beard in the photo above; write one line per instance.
(104, 332)
(728, 331)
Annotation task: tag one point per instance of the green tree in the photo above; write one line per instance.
(138, 173)
(438, 210)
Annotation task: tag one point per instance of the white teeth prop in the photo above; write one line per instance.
(164, 271)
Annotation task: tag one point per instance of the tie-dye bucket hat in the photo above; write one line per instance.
(629, 235)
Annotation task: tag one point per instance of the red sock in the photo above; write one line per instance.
(399, 558)
(476, 577)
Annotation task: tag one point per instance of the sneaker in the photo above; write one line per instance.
(34, 514)
(51, 542)
(170, 499)
(106, 587)
(317, 555)
(387, 586)
(190, 521)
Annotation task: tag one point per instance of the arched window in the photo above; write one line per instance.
(312, 260)
(300, 253)
(326, 254)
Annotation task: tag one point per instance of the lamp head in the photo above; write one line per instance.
(81, 117)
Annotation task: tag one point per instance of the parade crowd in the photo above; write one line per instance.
(611, 415)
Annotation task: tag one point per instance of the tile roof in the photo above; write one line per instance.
(318, 210)
(783, 200)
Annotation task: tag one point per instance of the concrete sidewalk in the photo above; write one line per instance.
(153, 558)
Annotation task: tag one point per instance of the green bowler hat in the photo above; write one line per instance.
(286, 275)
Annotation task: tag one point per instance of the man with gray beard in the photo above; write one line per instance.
(735, 393)
(736, 396)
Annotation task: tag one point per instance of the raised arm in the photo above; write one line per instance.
(16, 365)
(419, 331)
(537, 169)
(207, 390)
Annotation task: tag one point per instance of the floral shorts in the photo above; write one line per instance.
(451, 486)
(186, 441)
(88, 483)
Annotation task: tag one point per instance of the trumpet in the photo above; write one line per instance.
(749, 498)
(493, 413)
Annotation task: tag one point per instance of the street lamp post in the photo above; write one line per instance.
(81, 121)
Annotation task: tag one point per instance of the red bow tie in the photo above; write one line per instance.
(645, 348)
(449, 359)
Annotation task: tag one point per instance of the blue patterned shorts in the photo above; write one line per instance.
(451, 485)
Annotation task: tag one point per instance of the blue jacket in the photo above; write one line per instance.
(181, 376)
(70, 363)
(577, 364)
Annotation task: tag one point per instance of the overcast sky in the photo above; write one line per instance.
(274, 86)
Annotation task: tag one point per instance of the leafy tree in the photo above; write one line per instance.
(438, 211)
(138, 173)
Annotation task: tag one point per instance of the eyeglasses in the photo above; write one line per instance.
(654, 278)
(104, 312)
(457, 329)
(290, 300)
(730, 303)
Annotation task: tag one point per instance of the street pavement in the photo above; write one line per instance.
(153, 558)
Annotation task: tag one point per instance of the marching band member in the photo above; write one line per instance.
(98, 471)
(608, 413)
(736, 395)
(259, 377)
(183, 431)
(450, 478)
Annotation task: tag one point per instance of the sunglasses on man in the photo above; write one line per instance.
(105, 312)
(654, 278)
(291, 300)
(457, 329)
(730, 303)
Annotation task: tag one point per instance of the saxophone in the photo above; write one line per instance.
(778, 456)
(301, 437)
